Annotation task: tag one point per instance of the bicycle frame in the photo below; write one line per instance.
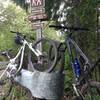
(68, 42)
(81, 75)
(21, 51)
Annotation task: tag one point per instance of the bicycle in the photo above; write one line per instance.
(15, 64)
(80, 65)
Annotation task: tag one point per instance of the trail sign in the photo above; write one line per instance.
(37, 25)
(37, 10)
(36, 3)
(37, 17)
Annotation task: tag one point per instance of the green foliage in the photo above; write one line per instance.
(85, 10)
(17, 93)
(51, 33)
(13, 18)
(87, 17)
(48, 8)
(21, 3)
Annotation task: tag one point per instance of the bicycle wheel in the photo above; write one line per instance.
(20, 93)
(95, 71)
(89, 91)
(60, 56)
(5, 87)
(43, 62)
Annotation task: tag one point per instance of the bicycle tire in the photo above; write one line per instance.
(86, 92)
(6, 88)
(51, 64)
(95, 71)
(60, 56)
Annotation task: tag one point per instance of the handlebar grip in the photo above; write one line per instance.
(15, 32)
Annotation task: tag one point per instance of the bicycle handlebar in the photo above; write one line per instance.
(15, 32)
(23, 36)
(18, 33)
(69, 28)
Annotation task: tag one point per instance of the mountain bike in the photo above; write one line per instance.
(37, 58)
(84, 87)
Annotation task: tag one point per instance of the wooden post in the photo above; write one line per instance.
(39, 35)
(36, 15)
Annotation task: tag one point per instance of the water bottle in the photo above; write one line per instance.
(77, 68)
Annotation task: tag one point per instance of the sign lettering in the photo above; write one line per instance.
(37, 2)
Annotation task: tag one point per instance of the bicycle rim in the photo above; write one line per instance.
(90, 91)
(47, 63)
(60, 56)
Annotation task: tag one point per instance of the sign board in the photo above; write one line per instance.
(37, 17)
(37, 3)
(37, 10)
(36, 25)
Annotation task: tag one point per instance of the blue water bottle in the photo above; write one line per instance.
(77, 67)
